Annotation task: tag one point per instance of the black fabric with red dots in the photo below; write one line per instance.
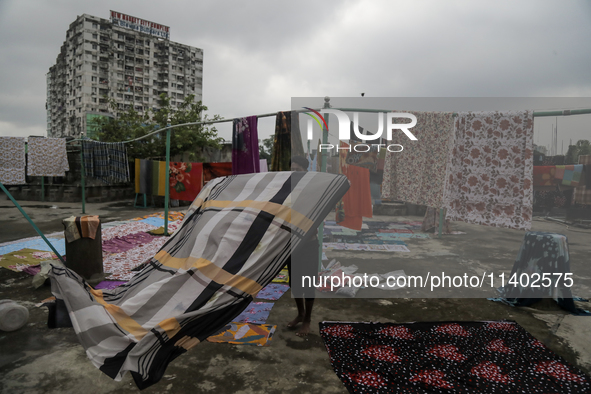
(447, 357)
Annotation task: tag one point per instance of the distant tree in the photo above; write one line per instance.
(131, 125)
(266, 148)
(581, 148)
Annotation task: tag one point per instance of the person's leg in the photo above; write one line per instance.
(301, 313)
(307, 319)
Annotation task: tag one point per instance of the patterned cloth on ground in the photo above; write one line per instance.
(47, 157)
(106, 161)
(186, 180)
(245, 146)
(282, 277)
(273, 291)
(121, 265)
(24, 257)
(126, 229)
(37, 243)
(109, 284)
(255, 313)
(126, 242)
(543, 256)
(417, 175)
(76, 227)
(245, 334)
(287, 141)
(172, 216)
(446, 357)
(236, 236)
(490, 169)
(12, 160)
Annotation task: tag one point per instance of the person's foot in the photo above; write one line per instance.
(304, 329)
(295, 322)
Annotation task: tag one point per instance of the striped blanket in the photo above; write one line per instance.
(236, 236)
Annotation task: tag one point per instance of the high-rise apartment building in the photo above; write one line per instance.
(124, 58)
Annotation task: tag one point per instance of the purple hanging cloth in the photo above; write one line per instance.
(245, 146)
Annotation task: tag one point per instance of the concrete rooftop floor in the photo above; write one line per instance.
(36, 359)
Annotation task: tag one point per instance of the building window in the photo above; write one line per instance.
(94, 46)
(95, 36)
(94, 26)
(93, 79)
(93, 68)
(94, 99)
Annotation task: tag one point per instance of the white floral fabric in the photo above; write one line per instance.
(12, 160)
(47, 157)
(490, 169)
(417, 173)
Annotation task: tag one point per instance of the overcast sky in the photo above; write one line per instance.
(259, 54)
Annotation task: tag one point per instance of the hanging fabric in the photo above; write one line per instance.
(583, 190)
(287, 141)
(106, 161)
(235, 238)
(417, 174)
(245, 146)
(12, 160)
(186, 180)
(491, 168)
(263, 165)
(216, 170)
(150, 177)
(47, 157)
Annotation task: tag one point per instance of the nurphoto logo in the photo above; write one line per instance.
(345, 129)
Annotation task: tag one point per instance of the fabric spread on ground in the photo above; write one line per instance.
(245, 334)
(235, 238)
(273, 291)
(445, 357)
(255, 313)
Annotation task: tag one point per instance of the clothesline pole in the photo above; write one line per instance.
(167, 182)
(82, 180)
(42, 189)
(323, 156)
(16, 204)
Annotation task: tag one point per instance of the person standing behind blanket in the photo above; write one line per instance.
(308, 258)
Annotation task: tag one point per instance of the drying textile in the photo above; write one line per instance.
(109, 284)
(282, 276)
(47, 157)
(542, 256)
(431, 221)
(245, 334)
(490, 169)
(255, 313)
(273, 291)
(367, 160)
(544, 175)
(447, 357)
(12, 160)
(245, 146)
(122, 265)
(106, 161)
(216, 170)
(287, 141)
(172, 216)
(263, 165)
(417, 174)
(583, 190)
(17, 260)
(76, 227)
(126, 229)
(36, 243)
(357, 201)
(186, 180)
(569, 175)
(150, 177)
(126, 242)
(236, 236)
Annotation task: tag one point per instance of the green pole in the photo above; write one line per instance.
(16, 204)
(42, 189)
(167, 187)
(82, 180)
(441, 214)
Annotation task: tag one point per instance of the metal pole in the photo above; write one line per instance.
(42, 189)
(166, 179)
(441, 214)
(82, 179)
(16, 204)
(323, 160)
